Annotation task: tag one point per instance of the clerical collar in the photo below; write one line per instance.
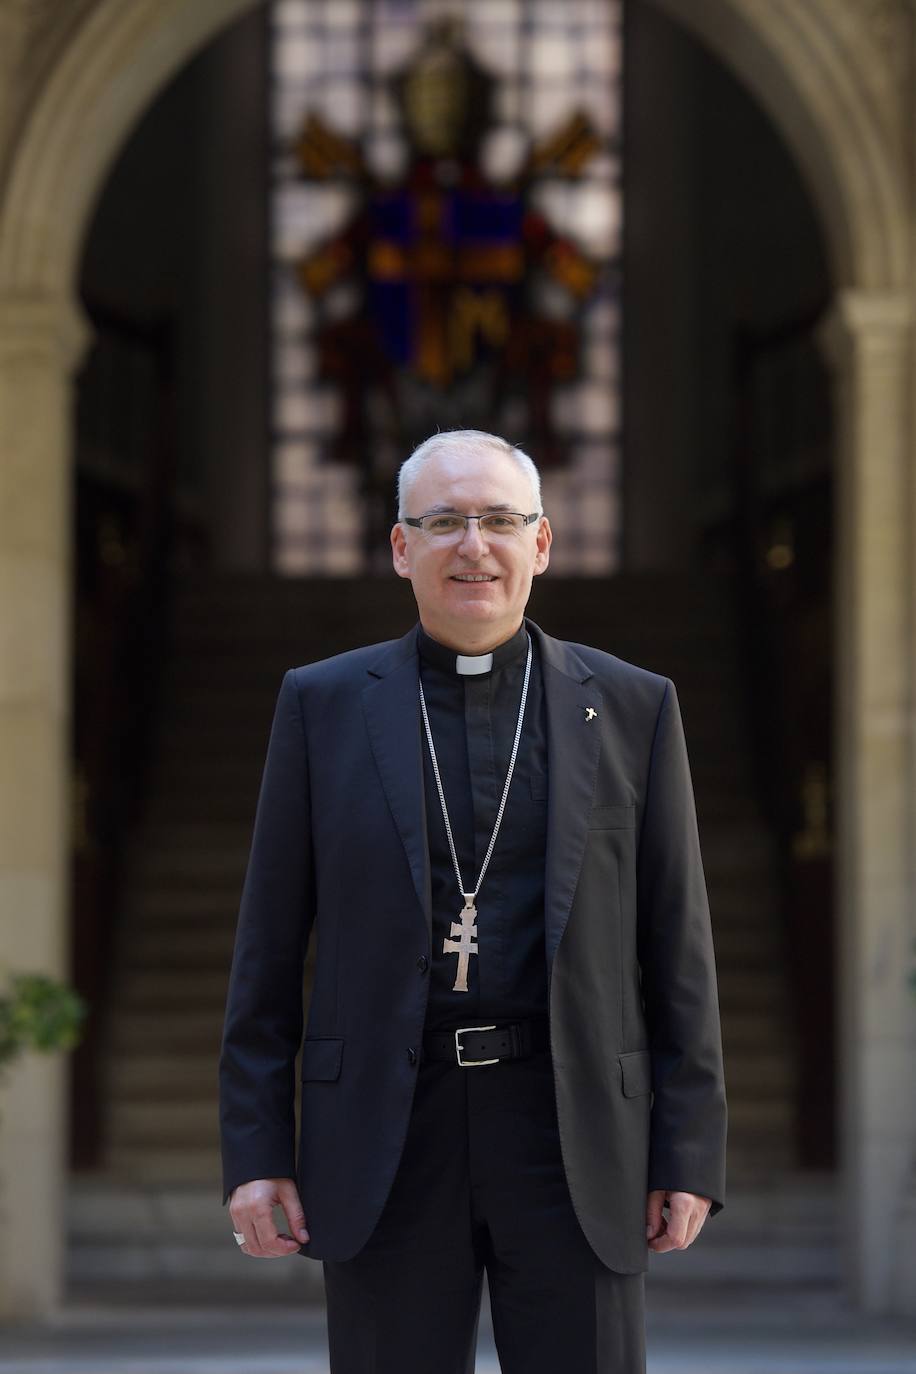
(441, 656)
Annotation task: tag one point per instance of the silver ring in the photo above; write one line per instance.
(240, 1239)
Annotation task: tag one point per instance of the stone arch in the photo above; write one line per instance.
(796, 58)
(808, 67)
(106, 76)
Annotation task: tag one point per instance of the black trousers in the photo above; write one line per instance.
(481, 1187)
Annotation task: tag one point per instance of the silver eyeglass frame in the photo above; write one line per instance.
(417, 520)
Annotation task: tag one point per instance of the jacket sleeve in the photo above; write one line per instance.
(264, 1013)
(677, 965)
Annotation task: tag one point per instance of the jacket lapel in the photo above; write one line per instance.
(392, 709)
(573, 748)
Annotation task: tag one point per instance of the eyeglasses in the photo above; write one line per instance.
(453, 525)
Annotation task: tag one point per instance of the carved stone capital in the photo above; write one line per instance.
(41, 326)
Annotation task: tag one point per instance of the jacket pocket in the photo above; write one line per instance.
(621, 816)
(636, 1072)
(321, 1058)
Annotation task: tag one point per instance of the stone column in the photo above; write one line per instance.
(40, 342)
(868, 338)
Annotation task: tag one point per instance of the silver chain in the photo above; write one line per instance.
(502, 804)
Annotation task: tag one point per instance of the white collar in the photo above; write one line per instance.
(473, 663)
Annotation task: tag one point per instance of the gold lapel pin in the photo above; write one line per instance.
(590, 713)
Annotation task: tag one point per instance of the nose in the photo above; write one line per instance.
(472, 542)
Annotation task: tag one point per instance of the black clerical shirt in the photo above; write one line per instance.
(473, 718)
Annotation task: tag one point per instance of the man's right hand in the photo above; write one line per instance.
(251, 1208)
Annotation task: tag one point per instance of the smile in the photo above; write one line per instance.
(472, 577)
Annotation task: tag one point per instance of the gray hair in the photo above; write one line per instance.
(470, 442)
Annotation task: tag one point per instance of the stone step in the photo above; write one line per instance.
(216, 887)
(149, 989)
(169, 865)
(128, 1262)
(185, 759)
(732, 928)
(180, 906)
(166, 919)
(121, 1232)
(761, 1112)
(768, 1074)
(156, 1124)
(206, 950)
(747, 893)
(745, 947)
(161, 1164)
(722, 806)
(208, 900)
(165, 832)
(752, 1154)
(718, 1262)
(189, 807)
(750, 992)
(736, 856)
(750, 1034)
(179, 1032)
(151, 1077)
(744, 1024)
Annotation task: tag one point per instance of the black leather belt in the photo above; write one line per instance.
(473, 1046)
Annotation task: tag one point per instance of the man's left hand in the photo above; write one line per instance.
(687, 1212)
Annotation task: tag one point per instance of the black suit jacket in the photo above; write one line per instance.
(339, 849)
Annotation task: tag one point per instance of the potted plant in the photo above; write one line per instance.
(37, 1012)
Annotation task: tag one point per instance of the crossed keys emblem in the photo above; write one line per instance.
(590, 713)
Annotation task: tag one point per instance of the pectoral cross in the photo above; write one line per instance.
(464, 946)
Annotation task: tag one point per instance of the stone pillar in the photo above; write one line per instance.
(868, 338)
(662, 306)
(230, 288)
(40, 342)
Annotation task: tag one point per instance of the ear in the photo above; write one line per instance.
(399, 555)
(544, 540)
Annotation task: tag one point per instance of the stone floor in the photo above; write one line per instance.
(692, 1329)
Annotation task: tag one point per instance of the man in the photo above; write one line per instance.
(513, 1057)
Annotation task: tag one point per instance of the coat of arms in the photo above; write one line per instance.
(451, 269)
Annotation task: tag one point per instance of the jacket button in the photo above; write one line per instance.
(422, 963)
(411, 1055)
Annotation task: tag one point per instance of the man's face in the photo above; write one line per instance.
(473, 616)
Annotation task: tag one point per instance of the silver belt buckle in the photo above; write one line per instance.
(471, 1063)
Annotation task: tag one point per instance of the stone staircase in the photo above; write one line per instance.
(173, 1242)
(234, 637)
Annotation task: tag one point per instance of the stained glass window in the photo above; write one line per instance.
(446, 215)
